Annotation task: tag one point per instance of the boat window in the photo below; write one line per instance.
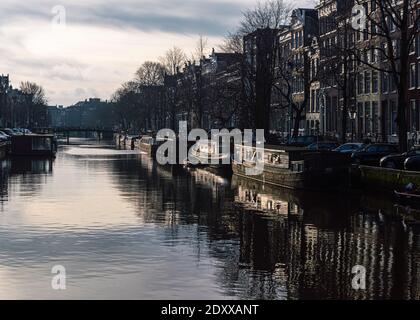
(297, 167)
(41, 143)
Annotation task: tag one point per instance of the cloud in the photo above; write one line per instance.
(212, 17)
(104, 41)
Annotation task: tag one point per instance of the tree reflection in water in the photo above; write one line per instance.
(248, 240)
(275, 243)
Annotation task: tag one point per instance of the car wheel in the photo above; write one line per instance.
(390, 165)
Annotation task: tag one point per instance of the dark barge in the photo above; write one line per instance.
(34, 145)
(294, 168)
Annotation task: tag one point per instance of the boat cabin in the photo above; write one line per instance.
(33, 145)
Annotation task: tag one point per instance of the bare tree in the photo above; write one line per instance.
(127, 106)
(150, 74)
(35, 92)
(36, 102)
(267, 18)
(223, 96)
(173, 59)
(201, 48)
(232, 43)
(268, 14)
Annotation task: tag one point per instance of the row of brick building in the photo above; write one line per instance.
(326, 89)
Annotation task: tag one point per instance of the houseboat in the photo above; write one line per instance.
(292, 167)
(209, 153)
(148, 145)
(4, 147)
(34, 145)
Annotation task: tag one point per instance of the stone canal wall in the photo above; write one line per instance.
(389, 179)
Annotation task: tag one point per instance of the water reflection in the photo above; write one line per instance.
(128, 228)
(317, 248)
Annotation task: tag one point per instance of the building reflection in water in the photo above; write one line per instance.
(274, 243)
(26, 172)
(259, 242)
(317, 248)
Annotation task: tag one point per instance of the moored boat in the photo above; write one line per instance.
(33, 145)
(291, 167)
(209, 153)
(148, 145)
(412, 196)
(4, 147)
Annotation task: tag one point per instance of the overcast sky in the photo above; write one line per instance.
(103, 41)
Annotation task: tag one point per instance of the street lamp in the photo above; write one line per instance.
(352, 116)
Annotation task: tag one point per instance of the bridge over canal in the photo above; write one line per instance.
(100, 133)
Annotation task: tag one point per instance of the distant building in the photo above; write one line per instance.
(90, 113)
(56, 115)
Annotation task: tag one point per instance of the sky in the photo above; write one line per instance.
(87, 48)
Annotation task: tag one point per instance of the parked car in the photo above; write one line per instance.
(326, 146)
(373, 153)
(17, 131)
(4, 134)
(396, 161)
(412, 163)
(349, 147)
(304, 141)
(10, 132)
(4, 137)
(22, 130)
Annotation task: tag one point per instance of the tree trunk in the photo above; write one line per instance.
(403, 85)
(402, 119)
(344, 119)
(296, 122)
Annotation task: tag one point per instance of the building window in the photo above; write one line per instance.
(392, 86)
(418, 115)
(375, 81)
(418, 74)
(413, 76)
(360, 83)
(393, 110)
(391, 25)
(360, 122)
(367, 82)
(384, 52)
(375, 117)
(374, 54)
(373, 5)
(385, 82)
(368, 118)
(412, 115)
(417, 45)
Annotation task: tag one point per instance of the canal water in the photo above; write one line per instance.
(124, 227)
